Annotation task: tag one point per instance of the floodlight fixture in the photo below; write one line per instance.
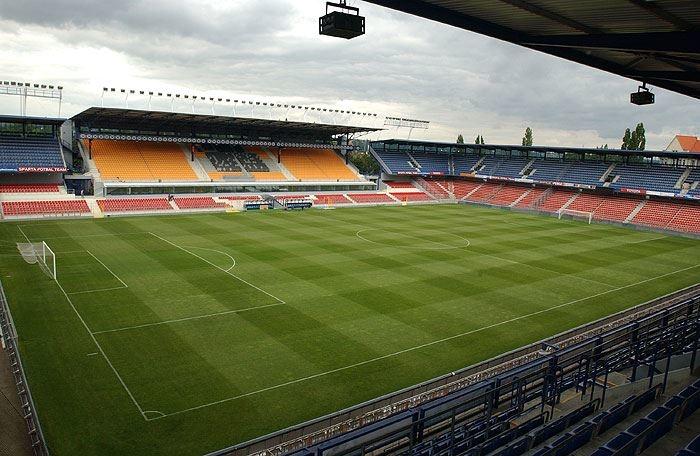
(643, 96)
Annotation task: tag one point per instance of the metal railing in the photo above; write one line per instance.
(8, 333)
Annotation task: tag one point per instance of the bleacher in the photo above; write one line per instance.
(508, 195)
(134, 205)
(224, 162)
(141, 161)
(485, 192)
(432, 163)
(198, 202)
(370, 198)
(32, 153)
(331, 199)
(463, 164)
(553, 201)
(587, 173)
(29, 188)
(58, 208)
(549, 170)
(412, 196)
(643, 177)
(316, 165)
(397, 162)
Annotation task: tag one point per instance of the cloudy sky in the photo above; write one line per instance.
(269, 50)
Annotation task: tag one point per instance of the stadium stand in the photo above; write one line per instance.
(655, 178)
(224, 162)
(463, 188)
(400, 184)
(29, 188)
(198, 202)
(508, 195)
(367, 198)
(439, 188)
(549, 170)
(134, 205)
(531, 198)
(398, 162)
(31, 153)
(329, 199)
(485, 192)
(615, 208)
(463, 164)
(412, 196)
(141, 161)
(431, 163)
(316, 165)
(269, 176)
(553, 200)
(587, 173)
(66, 208)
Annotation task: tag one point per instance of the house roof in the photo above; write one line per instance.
(689, 143)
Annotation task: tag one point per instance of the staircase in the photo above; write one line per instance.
(605, 175)
(196, 165)
(522, 197)
(571, 200)
(526, 169)
(684, 176)
(271, 163)
(636, 210)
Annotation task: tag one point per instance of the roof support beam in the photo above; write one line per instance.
(663, 75)
(551, 16)
(675, 42)
(662, 14)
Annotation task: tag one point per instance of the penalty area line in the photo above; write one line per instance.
(418, 347)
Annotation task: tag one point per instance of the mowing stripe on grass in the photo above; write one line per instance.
(225, 271)
(418, 347)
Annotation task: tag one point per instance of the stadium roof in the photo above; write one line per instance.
(656, 42)
(32, 120)
(559, 149)
(131, 119)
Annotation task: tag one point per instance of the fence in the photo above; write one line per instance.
(9, 339)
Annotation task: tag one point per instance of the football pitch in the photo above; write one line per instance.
(187, 334)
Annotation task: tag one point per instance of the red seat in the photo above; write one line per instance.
(198, 202)
(11, 208)
(134, 204)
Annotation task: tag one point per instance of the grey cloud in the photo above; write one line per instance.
(462, 81)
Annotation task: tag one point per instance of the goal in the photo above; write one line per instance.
(39, 253)
(575, 215)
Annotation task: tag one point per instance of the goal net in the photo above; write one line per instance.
(39, 253)
(580, 215)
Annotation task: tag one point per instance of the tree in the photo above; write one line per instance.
(626, 140)
(635, 140)
(479, 139)
(527, 139)
(460, 139)
(365, 163)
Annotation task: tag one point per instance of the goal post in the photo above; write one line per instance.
(41, 253)
(569, 213)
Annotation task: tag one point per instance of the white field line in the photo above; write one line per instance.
(97, 344)
(179, 320)
(110, 271)
(99, 290)
(233, 265)
(418, 347)
(219, 268)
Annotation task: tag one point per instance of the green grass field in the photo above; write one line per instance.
(183, 335)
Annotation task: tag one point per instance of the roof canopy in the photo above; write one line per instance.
(651, 41)
(443, 146)
(32, 120)
(199, 124)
